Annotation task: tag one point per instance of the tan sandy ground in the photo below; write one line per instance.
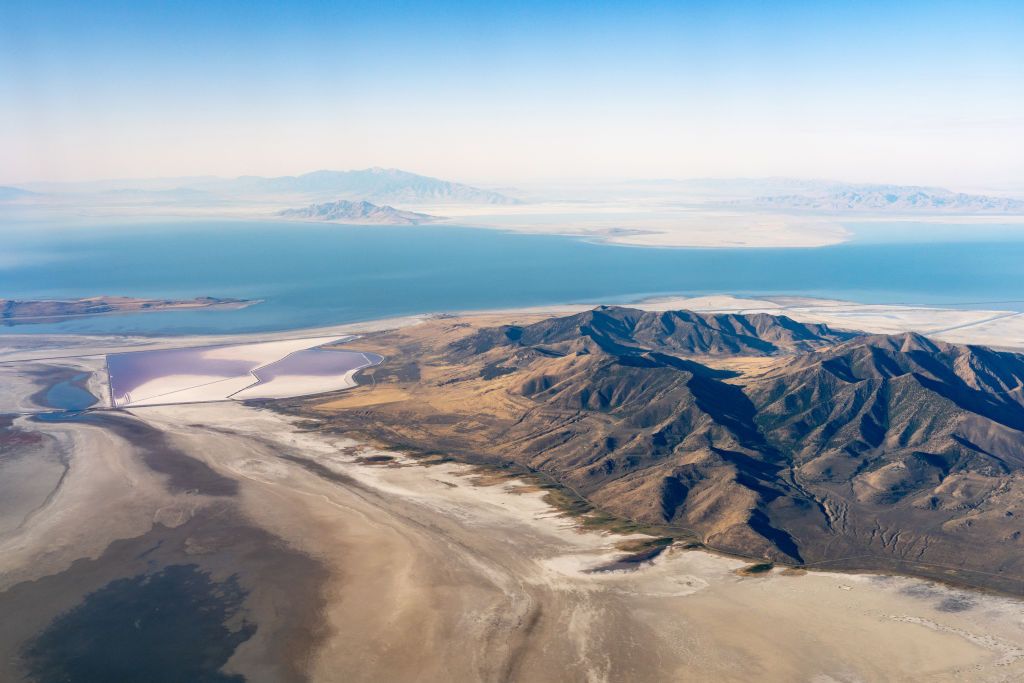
(437, 579)
(434, 578)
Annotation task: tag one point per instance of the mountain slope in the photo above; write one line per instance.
(760, 435)
(683, 332)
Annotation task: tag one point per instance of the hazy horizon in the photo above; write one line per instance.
(920, 94)
(504, 183)
(509, 183)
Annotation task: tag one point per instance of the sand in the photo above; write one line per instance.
(420, 573)
(436, 578)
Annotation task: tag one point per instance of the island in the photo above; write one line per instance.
(360, 213)
(21, 312)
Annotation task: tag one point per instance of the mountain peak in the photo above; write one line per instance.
(361, 212)
(681, 332)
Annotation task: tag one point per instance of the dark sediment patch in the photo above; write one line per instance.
(173, 625)
(13, 441)
(171, 605)
(956, 603)
(319, 469)
(375, 460)
(630, 562)
(944, 599)
(184, 473)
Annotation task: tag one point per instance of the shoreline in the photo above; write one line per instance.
(652, 225)
(880, 318)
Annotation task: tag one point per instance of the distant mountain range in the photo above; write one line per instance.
(394, 187)
(883, 198)
(381, 185)
(378, 185)
(343, 211)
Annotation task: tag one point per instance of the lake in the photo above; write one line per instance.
(311, 275)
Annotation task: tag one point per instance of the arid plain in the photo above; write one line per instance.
(302, 554)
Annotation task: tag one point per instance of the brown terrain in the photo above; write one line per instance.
(756, 435)
(231, 542)
(19, 312)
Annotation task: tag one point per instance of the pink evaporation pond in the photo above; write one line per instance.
(317, 363)
(129, 371)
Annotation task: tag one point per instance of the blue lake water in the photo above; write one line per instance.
(310, 275)
(70, 395)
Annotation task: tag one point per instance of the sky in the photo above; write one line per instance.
(495, 92)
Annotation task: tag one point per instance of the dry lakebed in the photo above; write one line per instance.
(182, 520)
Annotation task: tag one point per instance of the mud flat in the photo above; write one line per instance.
(314, 564)
(436, 577)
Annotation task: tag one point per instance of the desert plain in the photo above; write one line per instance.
(299, 553)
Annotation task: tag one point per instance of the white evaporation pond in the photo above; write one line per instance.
(276, 369)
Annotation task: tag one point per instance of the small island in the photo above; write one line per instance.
(22, 312)
(360, 213)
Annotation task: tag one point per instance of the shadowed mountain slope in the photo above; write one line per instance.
(761, 435)
(627, 330)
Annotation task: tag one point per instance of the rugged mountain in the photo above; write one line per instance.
(759, 435)
(626, 330)
(887, 198)
(357, 212)
(379, 185)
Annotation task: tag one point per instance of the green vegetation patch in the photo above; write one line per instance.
(756, 569)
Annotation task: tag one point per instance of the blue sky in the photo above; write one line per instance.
(910, 92)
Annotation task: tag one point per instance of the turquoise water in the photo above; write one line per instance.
(311, 275)
(70, 395)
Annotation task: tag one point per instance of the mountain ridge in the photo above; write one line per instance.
(385, 185)
(893, 198)
(762, 436)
